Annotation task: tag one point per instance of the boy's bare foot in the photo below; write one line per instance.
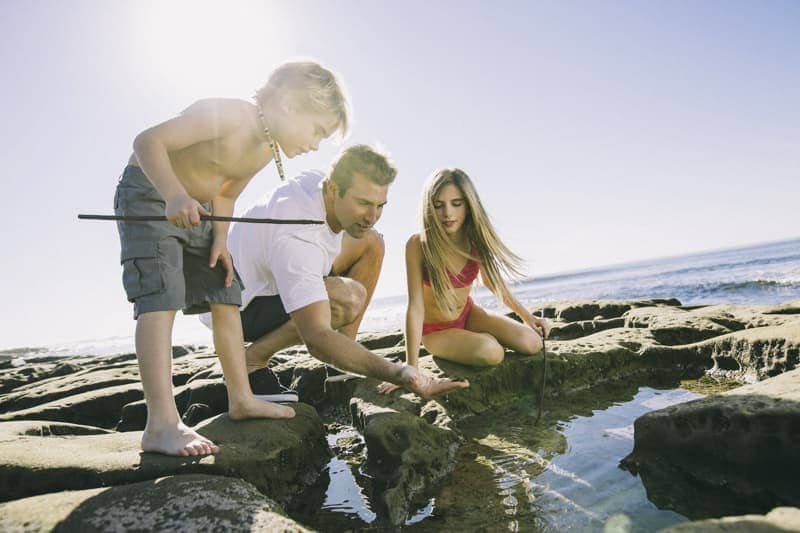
(254, 408)
(179, 440)
(427, 387)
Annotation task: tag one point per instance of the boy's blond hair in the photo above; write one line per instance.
(318, 86)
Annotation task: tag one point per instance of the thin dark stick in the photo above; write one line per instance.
(544, 374)
(212, 218)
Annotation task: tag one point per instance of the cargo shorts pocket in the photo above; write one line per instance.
(141, 269)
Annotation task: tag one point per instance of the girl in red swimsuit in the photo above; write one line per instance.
(457, 236)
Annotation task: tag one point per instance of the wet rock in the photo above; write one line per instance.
(725, 454)
(177, 503)
(410, 446)
(779, 520)
(279, 457)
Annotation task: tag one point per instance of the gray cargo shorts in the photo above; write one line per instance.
(165, 267)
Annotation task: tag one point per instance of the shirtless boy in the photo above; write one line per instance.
(197, 164)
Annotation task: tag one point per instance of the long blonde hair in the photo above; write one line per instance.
(438, 251)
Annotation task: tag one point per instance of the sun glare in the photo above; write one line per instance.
(211, 47)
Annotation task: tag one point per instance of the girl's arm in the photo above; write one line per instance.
(415, 312)
(540, 325)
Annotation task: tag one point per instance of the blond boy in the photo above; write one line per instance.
(197, 164)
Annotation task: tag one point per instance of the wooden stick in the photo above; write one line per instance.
(212, 218)
(544, 373)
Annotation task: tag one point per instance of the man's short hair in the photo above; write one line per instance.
(365, 160)
(318, 88)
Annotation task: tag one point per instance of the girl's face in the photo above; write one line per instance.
(451, 209)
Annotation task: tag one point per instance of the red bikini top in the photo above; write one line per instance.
(464, 278)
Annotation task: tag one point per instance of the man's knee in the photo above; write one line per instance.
(347, 297)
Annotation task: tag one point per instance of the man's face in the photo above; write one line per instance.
(360, 207)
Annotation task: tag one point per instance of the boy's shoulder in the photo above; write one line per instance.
(219, 106)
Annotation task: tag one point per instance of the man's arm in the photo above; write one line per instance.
(313, 322)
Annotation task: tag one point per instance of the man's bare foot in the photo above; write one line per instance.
(179, 440)
(254, 408)
(427, 387)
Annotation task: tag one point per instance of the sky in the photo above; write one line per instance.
(596, 132)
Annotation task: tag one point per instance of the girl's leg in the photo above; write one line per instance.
(510, 333)
(465, 347)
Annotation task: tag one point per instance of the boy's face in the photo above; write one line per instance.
(300, 130)
(360, 207)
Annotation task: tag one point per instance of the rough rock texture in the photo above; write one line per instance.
(411, 443)
(185, 503)
(735, 452)
(279, 457)
(410, 447)
(779, 520)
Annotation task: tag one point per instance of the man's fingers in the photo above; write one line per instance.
(204, 211)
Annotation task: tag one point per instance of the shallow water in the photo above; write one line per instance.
(513, 475)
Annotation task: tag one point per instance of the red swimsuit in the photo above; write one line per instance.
(464, 278)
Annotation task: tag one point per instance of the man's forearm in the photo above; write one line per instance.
(343, 352)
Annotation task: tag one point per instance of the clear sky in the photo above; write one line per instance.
(596, 132)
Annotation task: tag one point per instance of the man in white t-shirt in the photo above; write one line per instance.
(311, 283)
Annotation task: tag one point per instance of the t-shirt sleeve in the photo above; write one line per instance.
(297, 266)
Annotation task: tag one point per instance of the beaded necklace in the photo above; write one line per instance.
(272, 144)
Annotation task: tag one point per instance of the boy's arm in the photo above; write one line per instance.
(202, 121)
(222, 205)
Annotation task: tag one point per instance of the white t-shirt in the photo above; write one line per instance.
(286, 259)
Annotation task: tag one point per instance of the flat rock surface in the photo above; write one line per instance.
(186, 503)
(277, 456)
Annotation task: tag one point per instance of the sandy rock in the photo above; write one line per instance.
(277, 456)
(779, 520)
(672, 326)
(603, 309)
(100, 407)
(55, 388)
(185, 503)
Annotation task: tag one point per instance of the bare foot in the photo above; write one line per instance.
(426, 386)
(179, 440)
(253, 408)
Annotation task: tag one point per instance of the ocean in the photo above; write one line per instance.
(767, 273)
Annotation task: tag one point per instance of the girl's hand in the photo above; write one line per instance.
(542, 326)
(387, 388)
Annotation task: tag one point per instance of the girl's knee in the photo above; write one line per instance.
(531, 342)
(492, 352)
